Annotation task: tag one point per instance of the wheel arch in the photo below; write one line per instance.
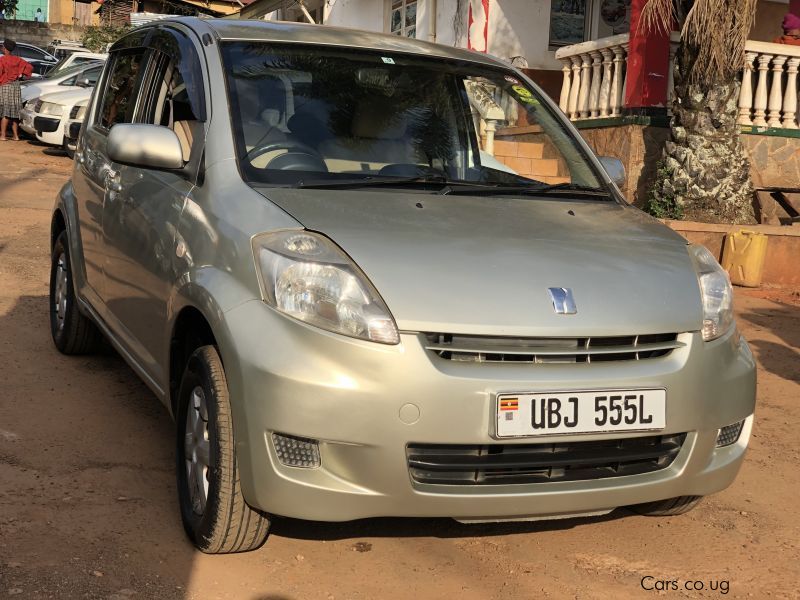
(57, 224)
(190, 330)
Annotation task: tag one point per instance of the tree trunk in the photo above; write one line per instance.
(705, 171)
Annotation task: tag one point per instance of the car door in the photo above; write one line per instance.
(140, 223)
(95, 179)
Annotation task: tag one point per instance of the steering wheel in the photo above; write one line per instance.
(291, 146)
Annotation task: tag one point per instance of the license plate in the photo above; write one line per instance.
(558, 413)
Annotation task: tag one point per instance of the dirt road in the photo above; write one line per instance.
(88, 506)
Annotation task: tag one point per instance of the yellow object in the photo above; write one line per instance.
(743, 257)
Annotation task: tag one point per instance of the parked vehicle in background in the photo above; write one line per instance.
(76, 59)
(41, 61)
(349, 314)
(50, 115)
(73, 127)
(83, 76)
(63, 48)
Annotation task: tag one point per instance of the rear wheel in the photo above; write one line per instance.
(669, 507)
(72, 331)
(214, 513)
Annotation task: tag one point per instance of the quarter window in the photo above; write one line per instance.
(119, 99)
(403, 18)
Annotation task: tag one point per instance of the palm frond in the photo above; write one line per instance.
(715, 30)
(658, 16)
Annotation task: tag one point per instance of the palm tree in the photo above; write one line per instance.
(705, 174)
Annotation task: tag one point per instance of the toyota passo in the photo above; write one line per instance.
(371, 276)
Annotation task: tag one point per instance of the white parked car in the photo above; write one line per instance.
(75, 59)
(72, 128)
(77, 77)
(50, 114)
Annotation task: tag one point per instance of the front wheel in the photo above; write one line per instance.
(214, 513)
(669, 507)
(72, 331)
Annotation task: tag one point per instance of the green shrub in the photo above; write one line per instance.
(661, 202)
(96, 38)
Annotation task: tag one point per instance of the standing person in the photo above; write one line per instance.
(12, 69)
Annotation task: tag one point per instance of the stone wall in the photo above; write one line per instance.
(774, 160)
(39, 34)
(638, 147)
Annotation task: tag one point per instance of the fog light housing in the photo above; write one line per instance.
(729, 434)
(296, 452)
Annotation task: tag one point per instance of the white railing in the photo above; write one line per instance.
(488, 112)
(595, 76)
(773, 103)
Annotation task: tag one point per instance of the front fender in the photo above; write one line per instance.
(212, 292)
(66, 208)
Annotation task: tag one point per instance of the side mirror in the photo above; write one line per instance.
(84, 83)
(615, 169)
(146, 146)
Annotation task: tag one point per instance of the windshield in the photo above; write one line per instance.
(318, 114)
(54, 74)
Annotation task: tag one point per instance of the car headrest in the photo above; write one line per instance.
(373, 120)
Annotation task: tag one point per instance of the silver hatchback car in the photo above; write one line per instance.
(371, 276)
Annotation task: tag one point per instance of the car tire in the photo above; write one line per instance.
(669, 507)
(215, 516)
(72, 331)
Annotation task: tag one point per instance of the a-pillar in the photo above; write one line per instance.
(648, 66)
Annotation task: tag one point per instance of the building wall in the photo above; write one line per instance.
(39, 34)
(68, 12)
(27, 10)
(522, 28)
(769, 16)
(357, 14)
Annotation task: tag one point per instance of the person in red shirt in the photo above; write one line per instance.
(791, 31)
(12, 70)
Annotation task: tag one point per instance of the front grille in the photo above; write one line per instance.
(503, 464)
(550, 350)
(73, 114)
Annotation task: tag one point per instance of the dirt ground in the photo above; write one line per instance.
(88, 506)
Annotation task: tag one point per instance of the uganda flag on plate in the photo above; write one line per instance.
(509, 404)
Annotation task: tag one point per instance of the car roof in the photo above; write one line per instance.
(306, 33)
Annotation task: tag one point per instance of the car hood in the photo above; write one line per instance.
(483, 266)
(68, 97)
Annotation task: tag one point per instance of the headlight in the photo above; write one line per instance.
(308, 277)
(715, 287)
(51, 108)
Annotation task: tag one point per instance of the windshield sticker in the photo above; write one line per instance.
(387, 60)
(524, 95)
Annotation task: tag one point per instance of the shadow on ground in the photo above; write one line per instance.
(780, 320)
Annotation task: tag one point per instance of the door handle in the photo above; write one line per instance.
(111, 181)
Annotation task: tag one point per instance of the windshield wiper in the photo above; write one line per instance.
(379, 181)
(532, 190)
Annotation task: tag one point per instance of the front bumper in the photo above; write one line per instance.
(26, 116)
(49, 130)
(366, 402)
